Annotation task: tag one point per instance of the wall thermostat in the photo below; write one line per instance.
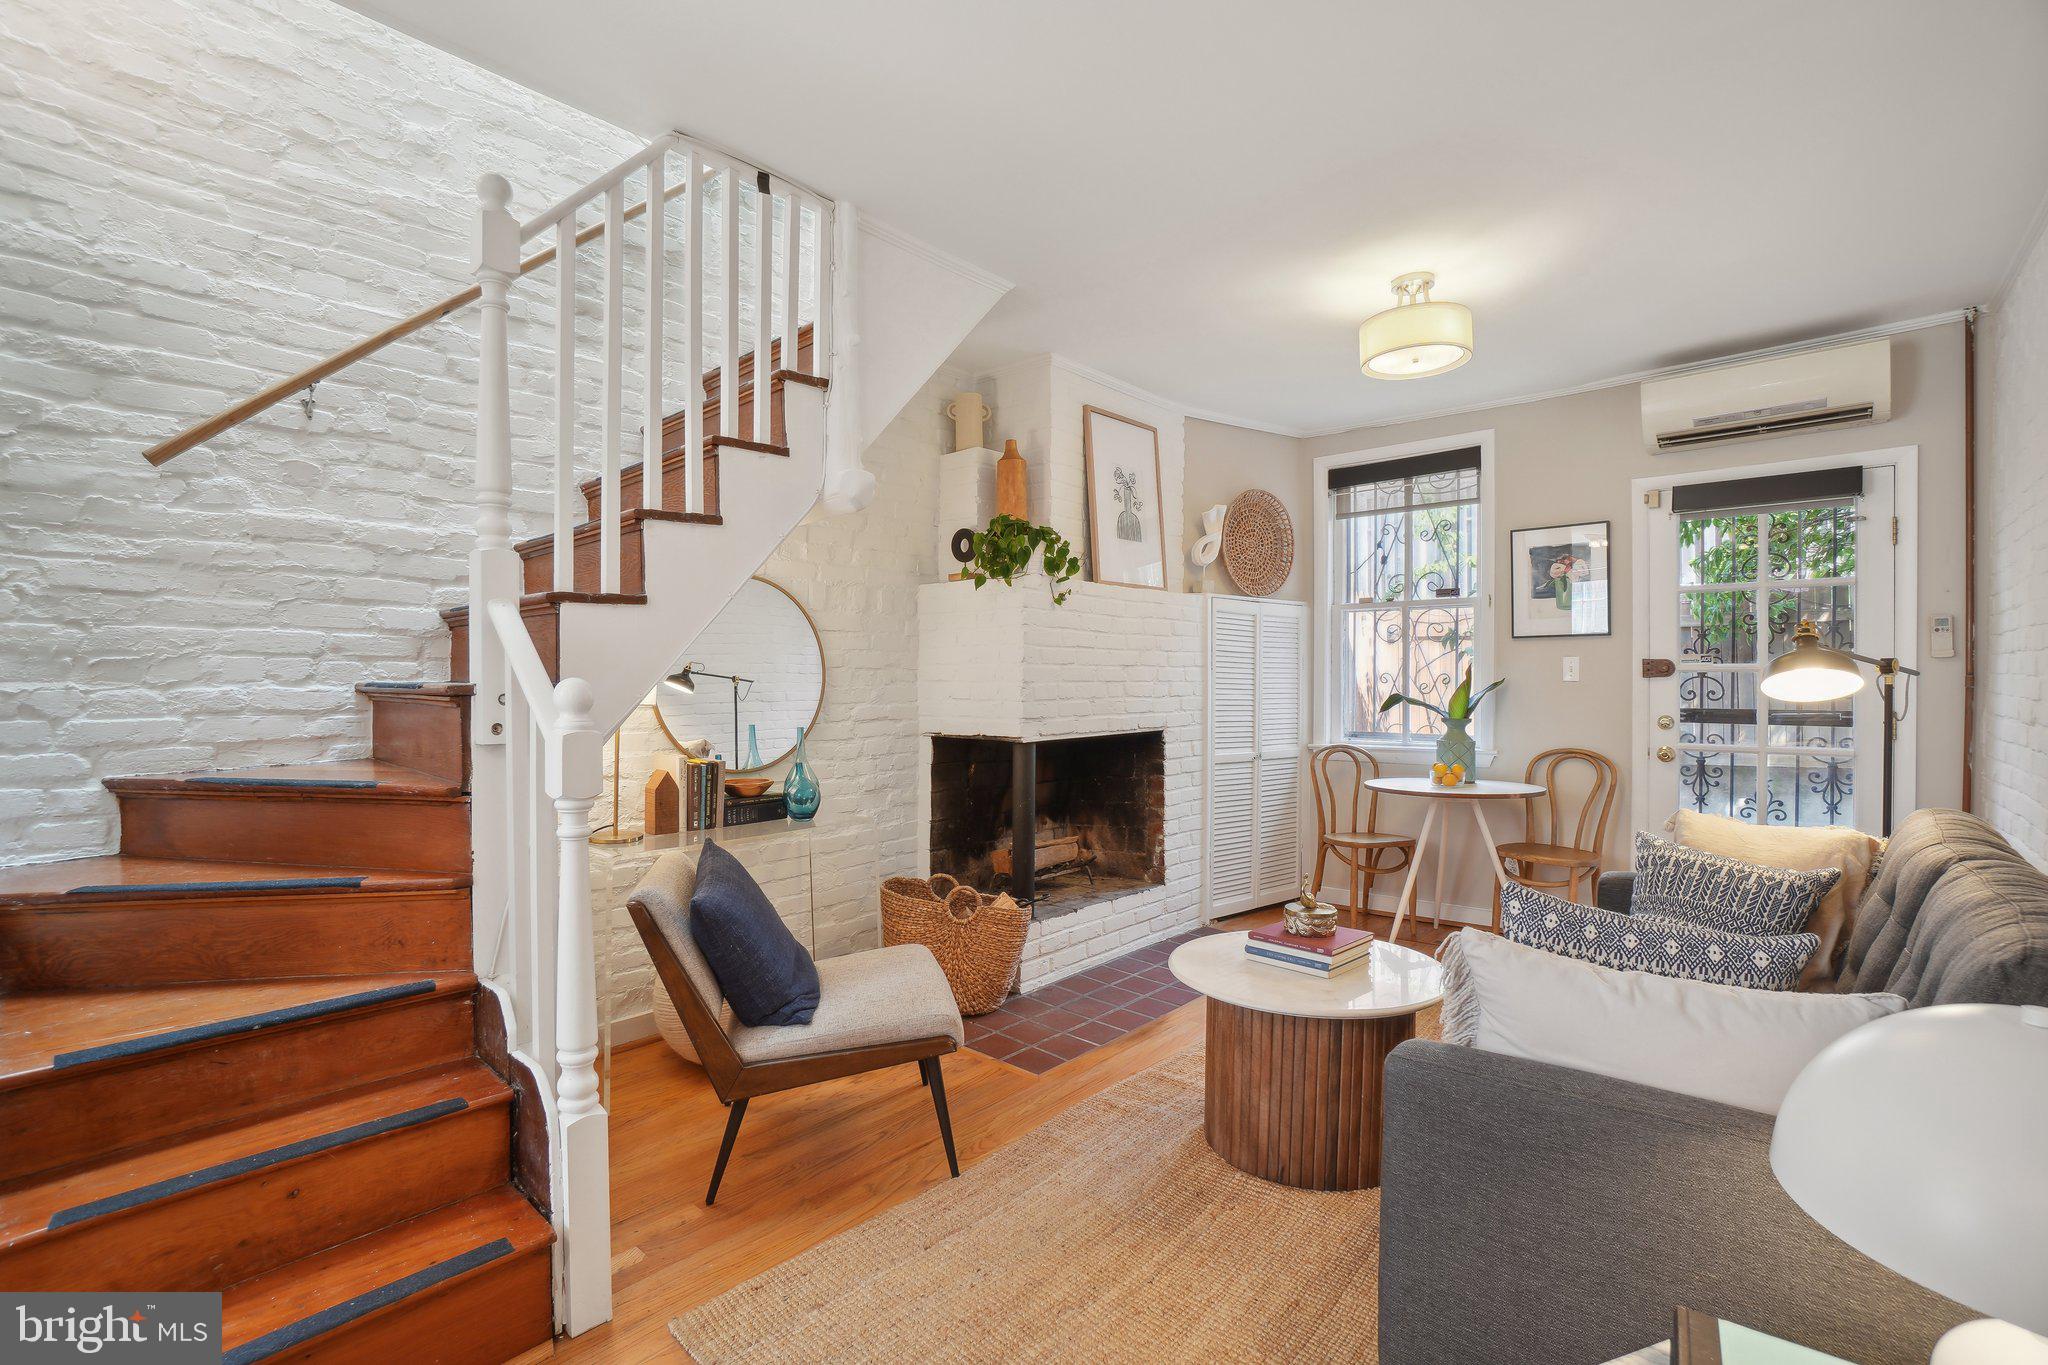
(1941, 637)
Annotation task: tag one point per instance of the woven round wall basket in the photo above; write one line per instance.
(1258, 543)
(978, 940)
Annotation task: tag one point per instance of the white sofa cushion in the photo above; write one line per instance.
(1725, 1043)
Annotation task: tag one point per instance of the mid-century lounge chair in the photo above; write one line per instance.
(877, 1008)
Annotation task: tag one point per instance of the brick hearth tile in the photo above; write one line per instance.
(1060, 1020)
(1026, 1007)
(1117, 995)
(1151, 1006)
(1158, 976)
(1002, 1049)
(1177, 994)
(1034, 1059)
(1125, 1020)
(1066, 1046)
(1058, 993)
(1030, 1031)
(1097, 1032)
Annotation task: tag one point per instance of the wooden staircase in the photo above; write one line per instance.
(247, 1054)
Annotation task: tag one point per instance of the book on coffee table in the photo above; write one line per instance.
(1326, 956)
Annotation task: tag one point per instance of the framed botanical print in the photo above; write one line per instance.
(1560, 580)
(1126, 523)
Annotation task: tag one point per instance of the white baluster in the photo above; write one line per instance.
(729, 371)
(848, 486)
(497, 266)
(764, 314)
(693, 335)
(614, 384)
(792, 244)
(578, 776)
(567, 512)
(825, 263)
(657, 251)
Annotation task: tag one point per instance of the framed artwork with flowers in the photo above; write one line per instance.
(1561, 583)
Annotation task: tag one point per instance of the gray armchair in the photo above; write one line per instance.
(883, 1007)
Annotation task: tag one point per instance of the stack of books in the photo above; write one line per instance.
(1340, 952)
(703, 781)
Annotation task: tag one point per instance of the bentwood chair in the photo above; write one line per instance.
(883, 1007)
(1347, 822)
(1550, 858)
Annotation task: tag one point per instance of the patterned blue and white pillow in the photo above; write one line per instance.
(1690, 884)
(1647, 943)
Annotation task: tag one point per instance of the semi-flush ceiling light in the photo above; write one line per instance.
(1416, 337)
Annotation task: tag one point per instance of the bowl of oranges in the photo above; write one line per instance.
(1447, 774)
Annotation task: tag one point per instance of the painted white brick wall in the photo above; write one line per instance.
(2012, 560)
(1006, 662)
(199, 197)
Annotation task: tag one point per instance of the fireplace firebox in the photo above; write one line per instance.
(1056, 823)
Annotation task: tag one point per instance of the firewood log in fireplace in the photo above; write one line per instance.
(1056, 853)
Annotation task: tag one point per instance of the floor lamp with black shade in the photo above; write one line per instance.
(1811, 671)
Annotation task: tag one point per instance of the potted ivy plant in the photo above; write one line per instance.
(1005, 549)
(1456, 754)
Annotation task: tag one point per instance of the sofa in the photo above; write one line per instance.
(1533, 1213)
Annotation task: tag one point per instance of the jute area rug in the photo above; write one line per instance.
(1112, 1233)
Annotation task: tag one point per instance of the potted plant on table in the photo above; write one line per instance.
(1457, 757)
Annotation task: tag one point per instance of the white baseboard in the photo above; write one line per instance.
(632, 1028)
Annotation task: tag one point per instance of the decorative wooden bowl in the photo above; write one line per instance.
(746, 786)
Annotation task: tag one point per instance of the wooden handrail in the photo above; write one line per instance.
(241, 412)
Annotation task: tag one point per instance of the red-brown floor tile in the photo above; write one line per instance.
(1030, 1031)
(1125, 1020)
(1097, 1032)
(1115, 995)
(1032, 1059)
(1066, 1046)
(1001, 1048)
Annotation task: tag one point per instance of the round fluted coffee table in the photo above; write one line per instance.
(1295, 1061)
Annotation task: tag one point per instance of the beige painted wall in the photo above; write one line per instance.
(1223, 461)
(1572, 458)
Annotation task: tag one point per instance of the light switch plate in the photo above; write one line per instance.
(1571, 668)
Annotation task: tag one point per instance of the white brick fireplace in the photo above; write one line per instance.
(1006, 663)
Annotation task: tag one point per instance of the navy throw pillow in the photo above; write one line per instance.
(765, 973)
(1649, 943)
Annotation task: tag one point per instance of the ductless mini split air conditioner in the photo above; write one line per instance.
(1839, 386)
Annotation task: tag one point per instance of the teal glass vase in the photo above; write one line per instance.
(1455, 746)
(753, 746)
(800, 789)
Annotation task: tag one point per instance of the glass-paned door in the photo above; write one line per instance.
(1728, 588)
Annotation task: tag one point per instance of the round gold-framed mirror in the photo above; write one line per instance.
(749, 681)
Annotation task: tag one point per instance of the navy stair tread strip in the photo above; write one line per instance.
(350, 783)
(257, 884)
(247, 1023)
(255, 1161)
(362, 1305)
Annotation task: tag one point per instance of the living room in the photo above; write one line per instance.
(1436, 756)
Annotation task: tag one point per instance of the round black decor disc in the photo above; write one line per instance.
(963, 544)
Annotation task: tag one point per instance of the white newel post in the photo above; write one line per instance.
(849, 487)
(494, 569)
(575, 777)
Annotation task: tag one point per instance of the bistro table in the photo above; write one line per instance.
(1472, 795)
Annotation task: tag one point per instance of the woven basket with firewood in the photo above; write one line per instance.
(978, 939)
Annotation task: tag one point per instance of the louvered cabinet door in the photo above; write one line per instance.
(1232, 836)
(1280, 709)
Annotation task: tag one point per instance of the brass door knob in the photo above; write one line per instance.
(1666, 753)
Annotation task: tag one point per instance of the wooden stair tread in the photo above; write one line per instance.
(537, 601)
(341, 779)
(741, 443)
(334, 1288)
(39, 1027)
(82, 882)
(630, 517)
(417, 689)
(27, 1208)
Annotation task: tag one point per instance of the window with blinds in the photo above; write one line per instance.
(1405, 604)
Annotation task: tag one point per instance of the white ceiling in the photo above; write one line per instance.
(1206, 198)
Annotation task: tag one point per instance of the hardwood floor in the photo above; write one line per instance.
(811, 1163)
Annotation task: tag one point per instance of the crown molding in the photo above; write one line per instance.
(945, 260)
(1663, 372)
